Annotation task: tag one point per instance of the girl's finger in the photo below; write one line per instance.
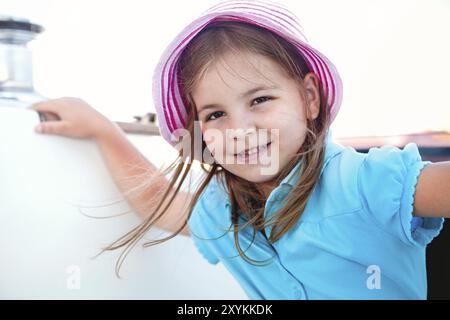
(52, 127)
(48, 116)
(44, 106)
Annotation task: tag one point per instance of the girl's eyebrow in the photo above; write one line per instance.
(256, 89)
(242, 95)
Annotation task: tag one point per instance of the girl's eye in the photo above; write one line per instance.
(208, 118)
(262, 99)
(259, 100)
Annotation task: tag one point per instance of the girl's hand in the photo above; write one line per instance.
(75, 118)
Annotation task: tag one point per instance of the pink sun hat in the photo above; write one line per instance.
(172, 111)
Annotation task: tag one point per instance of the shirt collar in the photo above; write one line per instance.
(331, 149)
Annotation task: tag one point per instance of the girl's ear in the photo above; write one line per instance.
(311, 87)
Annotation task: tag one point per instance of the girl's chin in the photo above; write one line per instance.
(252, 173)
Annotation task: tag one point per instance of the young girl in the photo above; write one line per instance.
(324, 222)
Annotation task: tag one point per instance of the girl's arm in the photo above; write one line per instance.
(127, 165)
(432, 196)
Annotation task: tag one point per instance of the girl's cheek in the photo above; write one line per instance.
(208, 136)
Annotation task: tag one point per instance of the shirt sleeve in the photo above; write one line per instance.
(387, 181)
(198, 225)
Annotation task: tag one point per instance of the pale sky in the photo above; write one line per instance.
(392, 55)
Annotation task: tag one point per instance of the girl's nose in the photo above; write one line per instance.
(240, 133)
(240, 126)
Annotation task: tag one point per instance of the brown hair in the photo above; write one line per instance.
(246, 197)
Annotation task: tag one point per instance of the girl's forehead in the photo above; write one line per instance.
(246, 63)
(239, 72)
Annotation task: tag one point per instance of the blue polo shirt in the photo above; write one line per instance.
(356, 239)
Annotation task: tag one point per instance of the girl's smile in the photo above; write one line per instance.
(251, 156)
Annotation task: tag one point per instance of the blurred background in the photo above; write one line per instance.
(392, 57)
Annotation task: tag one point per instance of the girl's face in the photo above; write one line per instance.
(245, 101)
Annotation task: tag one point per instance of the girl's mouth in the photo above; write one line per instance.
(252, 154)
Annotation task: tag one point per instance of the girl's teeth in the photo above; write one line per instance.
(252, 151)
